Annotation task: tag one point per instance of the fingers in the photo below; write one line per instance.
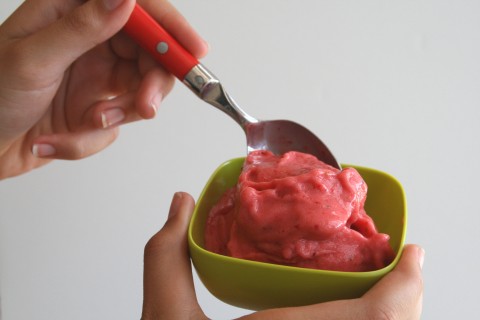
(334, 310)
(155, 85)
(58, 44)
(107, 116)
(115, 111)
(170, 19)
(134, 106)
(168, 284)
(33, 15)
(399, 294)
(73, 146)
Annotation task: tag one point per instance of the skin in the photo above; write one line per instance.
(69, 79)
(398, 296)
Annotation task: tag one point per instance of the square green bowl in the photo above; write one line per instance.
(257, 285)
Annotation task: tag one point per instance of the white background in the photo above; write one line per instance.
(393, 85)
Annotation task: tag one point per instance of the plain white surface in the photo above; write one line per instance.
(392, 85)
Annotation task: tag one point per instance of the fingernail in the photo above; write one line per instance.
(155, 102)
(111, 5)
(421, 257)
(111, 117)
(175, 206)
(43, 150)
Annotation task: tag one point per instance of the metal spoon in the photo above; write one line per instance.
(277, 136)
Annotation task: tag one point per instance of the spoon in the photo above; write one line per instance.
(277, 136)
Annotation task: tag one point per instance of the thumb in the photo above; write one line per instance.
(399, 294)
(89, 24)
(168, 283)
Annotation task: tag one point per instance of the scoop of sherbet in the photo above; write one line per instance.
(296, 210)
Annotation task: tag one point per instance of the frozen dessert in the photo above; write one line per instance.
(296, 210)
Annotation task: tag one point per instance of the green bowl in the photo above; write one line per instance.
(257, 285)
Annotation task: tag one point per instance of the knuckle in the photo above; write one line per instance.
(99, 140)
(76, 150)
(17, 58)
(79, 21)
(169, 82)
(382, 312)
(161, 242)
(84, 22)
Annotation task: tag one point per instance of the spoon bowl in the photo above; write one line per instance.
(281, 136)
(277, 136)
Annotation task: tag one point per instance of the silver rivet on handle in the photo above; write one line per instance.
(162, 47)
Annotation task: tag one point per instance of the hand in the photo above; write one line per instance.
(69, 78)
(397, 296)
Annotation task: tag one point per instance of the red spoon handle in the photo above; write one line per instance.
(142, 28)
